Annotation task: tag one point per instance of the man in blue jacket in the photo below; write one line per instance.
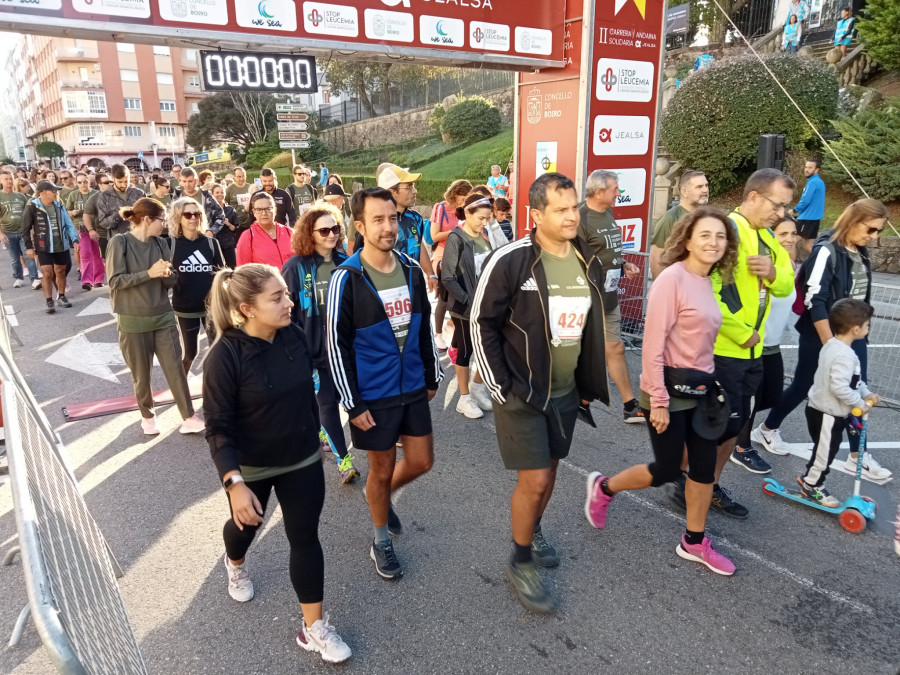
(811, 208)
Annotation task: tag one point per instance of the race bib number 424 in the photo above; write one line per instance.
(567, 316)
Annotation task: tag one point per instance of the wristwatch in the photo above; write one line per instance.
(231, 480)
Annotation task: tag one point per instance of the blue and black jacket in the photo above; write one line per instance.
(299, 274)
(369, 370)
(37, 231)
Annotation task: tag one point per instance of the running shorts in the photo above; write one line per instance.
(530, 438)
(409, 419)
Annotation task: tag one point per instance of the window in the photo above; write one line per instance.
(125, 47)
(85, 103)
(83, 73)
(195, 108)
(164, 78)
(165, 132)
(190, 54)
(129, 75)
(132, 104)
(132, 130)
(193, 80)
(160, 51)
(167, 106)
(96, 102)
(91, 134)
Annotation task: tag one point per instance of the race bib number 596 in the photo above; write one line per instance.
(397, 305)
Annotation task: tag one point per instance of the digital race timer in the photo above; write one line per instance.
(258, 71)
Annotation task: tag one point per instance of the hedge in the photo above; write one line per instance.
(429, 191)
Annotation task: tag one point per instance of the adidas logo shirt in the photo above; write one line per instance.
(196, 263)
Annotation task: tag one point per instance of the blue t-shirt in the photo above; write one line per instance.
(499, 185)
(410, 227)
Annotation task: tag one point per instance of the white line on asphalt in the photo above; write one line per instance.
(725, 543)
(797, 448)
(870, 346)
(10, 313)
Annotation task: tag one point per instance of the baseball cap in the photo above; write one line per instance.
(335, 190)
(392, 175)
(45, 185)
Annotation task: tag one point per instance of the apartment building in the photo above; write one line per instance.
(105, 102)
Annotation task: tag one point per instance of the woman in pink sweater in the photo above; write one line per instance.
(683, 318)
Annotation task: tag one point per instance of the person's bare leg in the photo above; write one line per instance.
(698, 497)
(525, 504)
(618, 369)
(60, 271)
(548, 492)
(378, 484)
(47, 281)
(722, 454)
(418, 458)
(637, 477)
(462, 379)
(312, 612)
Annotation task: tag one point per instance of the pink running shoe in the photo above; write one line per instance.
(597, 502)
(705, 554)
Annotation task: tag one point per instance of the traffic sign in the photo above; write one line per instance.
(291, 145)
(140, 154)
(292, 136)
(291, 117)
(289, 107)
(292, 126)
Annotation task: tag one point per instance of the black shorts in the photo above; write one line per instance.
(808, 229)
(462, 341)
(411, 419)
(60, 258)
(530, 438)
(740, 379)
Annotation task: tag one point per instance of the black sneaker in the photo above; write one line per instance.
(529, 586)
(98, 285)
(634, 414)
(394, 526)
(675, 490)
(86, 287)
(51, 306)
(386, 563)
(722, 501)
(750, 460)
(542, 551)
(62, 301)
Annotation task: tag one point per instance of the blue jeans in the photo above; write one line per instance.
(16, 248)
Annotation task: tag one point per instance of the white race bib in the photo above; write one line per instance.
(243, 200)
(397, 305)
(567, 316)
(612, 280)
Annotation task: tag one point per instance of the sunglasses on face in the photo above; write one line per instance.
(191, 215)
(81, 182)
(325, 231)
(874, 230)
(105, 182)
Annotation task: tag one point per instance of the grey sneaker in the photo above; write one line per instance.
(63, 301)
(530, 588)
(542, 551)
(386, 563)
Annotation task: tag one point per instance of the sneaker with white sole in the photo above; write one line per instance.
(148, 424)
(439, 343)
(468, 407)
(770, 440)
(240, 587)
(36, 284)
(322, 638)
(817, 494)
(705, 554)
(482, 396)
(192, 425)
(871, 469)
(17, 283)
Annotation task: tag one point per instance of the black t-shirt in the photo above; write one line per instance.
(195, 263)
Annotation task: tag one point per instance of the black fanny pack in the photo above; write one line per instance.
(687, 382)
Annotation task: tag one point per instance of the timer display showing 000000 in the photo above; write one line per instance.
(246, 71)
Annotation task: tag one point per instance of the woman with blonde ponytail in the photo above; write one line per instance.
(263, 434)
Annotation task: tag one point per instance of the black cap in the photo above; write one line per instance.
(336, 190)
(45, 185)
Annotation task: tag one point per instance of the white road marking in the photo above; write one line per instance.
(10, 315)
(804, 449)
(90, 358)
(99, 306)
(725, 543)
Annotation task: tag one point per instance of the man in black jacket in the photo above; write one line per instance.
(284, 207)
(215, 216)
(548, 284)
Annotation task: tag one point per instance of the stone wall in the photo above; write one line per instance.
(885, 255)
(401, 126)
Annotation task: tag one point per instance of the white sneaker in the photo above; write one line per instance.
(468, 407)
(17, 283)
(36, 284)
(321, 637)
(439, 343)
(481, 395)
(192, 425)
(771, 440)
(239, 585)
(871, 469)
(148, 424)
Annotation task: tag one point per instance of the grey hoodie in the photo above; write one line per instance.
(838, 386)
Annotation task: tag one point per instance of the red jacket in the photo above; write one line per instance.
(257, 246)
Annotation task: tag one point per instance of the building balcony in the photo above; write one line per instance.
(85, 113)
(76, 54)
(189, 64)
(81, 84)
(192, 90)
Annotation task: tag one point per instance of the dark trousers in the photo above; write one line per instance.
(826, 431)
(301, 494)
(330, 414)
(768, 394)
(189, 332)
(668, 450)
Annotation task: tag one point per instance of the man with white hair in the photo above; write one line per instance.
(498, 184)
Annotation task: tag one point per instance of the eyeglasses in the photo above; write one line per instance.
(777, 206)
(325, 231)
(268, 209)
(191, 215)
(875, 230)
(105, 182)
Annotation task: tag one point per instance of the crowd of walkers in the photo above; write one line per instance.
(313, 302)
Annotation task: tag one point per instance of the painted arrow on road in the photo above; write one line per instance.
(99, 306)
(90, 358)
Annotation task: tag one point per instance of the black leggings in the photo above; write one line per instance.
(668, 450)
(301, 494)
(767, 396)
(189, 331)
(462, 341)
(330, 414)
(440, 313)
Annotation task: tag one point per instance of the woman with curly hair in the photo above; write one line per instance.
(317, 243)
(683, 319)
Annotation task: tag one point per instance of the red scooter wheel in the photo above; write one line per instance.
(852, 521)
(767, 488)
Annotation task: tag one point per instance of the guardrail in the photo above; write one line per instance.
(70, 574)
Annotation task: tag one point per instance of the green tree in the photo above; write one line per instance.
(242, 118)
(879, 28)
(372, 82)
(49, 149)
(472, 119)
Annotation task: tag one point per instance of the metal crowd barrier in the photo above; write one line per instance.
(70, 574)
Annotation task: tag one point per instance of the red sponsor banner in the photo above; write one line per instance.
(505, 32)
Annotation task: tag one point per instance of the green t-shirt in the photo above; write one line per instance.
(482, 248)
(197, 197)
(12, 205)
(76, 202)
(599, 229)
(64, 193)
(394, 294)
(254, 473)
(323, 276)
(239, 198)
(55, 229)
(570, 302)
(666, 224)
(860, 286)
(301, 194)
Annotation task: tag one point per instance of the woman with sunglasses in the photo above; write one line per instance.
(195, 257)
(838, 267)
(90, 263)
(140, 276)
(317, 243)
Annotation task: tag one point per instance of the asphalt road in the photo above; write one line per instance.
(807, 597)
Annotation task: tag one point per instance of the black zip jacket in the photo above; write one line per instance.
(511, 328)
(458, 272)
(260, 401)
